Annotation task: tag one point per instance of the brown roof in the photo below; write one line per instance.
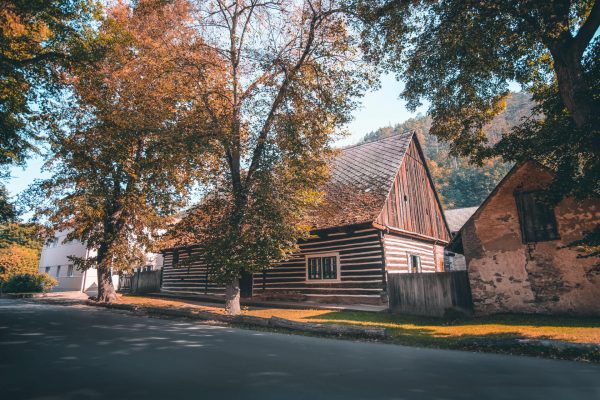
(457, 217)
(361, 178)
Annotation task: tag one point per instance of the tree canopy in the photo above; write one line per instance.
(38, 40)
(127, 140)
(460, 183)
(8, 211)
(292, 72)
(461, 56)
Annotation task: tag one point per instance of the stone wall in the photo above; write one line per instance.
(507, 275)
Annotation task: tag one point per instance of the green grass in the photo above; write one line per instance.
(498, 333)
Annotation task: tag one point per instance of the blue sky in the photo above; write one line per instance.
(379, 108)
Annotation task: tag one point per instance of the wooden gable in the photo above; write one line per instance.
(412, 204)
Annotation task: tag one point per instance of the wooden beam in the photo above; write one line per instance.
(402, 232)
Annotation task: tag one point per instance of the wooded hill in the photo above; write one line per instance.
(459, 183)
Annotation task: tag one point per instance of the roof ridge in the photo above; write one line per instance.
(378, 140)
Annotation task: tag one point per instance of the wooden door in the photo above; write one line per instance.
(246, 285)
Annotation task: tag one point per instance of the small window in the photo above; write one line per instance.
(322, 267)
(48, 270)
(537, 219)
(70, 271)
(57, 271)
(175, 262)
(414, 264)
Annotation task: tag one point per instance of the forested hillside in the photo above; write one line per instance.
(459, 183)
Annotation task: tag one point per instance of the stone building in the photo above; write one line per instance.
(515, 246)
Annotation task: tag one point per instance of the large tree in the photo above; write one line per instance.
(39, 39)
(291, 73)
(125, 148)
(8, 212)
(461, 55)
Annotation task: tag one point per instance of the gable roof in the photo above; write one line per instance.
(458, 216)
(456, 242)
(361, 178)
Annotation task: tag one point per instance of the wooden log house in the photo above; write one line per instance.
(381, 215)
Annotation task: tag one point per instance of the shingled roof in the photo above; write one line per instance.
(361, 178)
(457, 217)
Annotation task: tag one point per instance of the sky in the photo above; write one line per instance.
(380, 108)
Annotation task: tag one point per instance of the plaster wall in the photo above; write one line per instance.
(507, 275)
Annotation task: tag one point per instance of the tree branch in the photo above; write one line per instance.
(588, 29)
(32, 60)
(262, 137)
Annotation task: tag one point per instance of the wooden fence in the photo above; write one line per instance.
(430, 294)
(141, 282)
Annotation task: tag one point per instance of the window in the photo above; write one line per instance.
(70, 271)
(175, 259)
(322, 267)
(47, 270)
(414, 264)
(538, 223)
(57, 271)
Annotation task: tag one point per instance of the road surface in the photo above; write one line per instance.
(78, 352)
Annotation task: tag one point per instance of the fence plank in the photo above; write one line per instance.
(432, 294)
(145, 282)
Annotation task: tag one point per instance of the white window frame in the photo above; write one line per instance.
(319, 255)
(409, 263)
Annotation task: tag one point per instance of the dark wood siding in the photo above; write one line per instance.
(412, 204)
(361, 270)
(187, 277)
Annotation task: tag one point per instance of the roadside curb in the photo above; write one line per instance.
(351, 331)
(29, 295)
(559, 344)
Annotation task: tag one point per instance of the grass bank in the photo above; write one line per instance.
(537, 335)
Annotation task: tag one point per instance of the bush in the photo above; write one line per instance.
(29, 283)
(16, 259)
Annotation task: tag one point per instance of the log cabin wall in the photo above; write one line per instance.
(412, 204)
(398, 250)
(187, 277)
(361, 271)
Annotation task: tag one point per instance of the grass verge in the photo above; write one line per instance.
(566, 337)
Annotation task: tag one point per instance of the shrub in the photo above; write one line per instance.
(16, 259)
(29, 283)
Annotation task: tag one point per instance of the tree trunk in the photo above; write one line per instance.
(571, 85)
(106, 290)
(232, 298)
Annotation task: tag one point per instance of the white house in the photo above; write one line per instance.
(55, 262)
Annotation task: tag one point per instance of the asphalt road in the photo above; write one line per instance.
(77, 352)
